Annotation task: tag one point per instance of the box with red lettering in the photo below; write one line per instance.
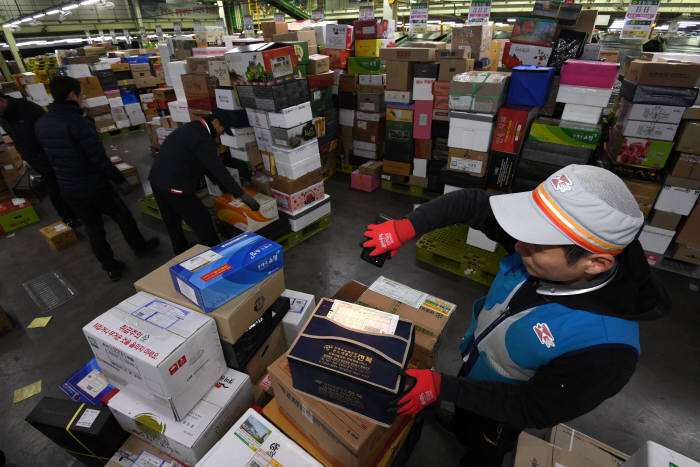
(161, 352)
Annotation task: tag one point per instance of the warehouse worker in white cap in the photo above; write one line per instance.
(558, 332)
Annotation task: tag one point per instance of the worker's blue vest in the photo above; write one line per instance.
(509, 345)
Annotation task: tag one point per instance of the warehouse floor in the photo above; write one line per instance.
(660, 403)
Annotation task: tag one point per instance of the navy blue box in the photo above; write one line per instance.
(530, 85)
(356, 370)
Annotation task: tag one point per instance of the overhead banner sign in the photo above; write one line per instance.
(479, 11)
(279, 17)
(639, 19)
(178, 10)
(366, 12)
(418, 22)
(317, 15)
(248, 24)
(159, 32)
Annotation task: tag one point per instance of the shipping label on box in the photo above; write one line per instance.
(468, 161)
(214, 277)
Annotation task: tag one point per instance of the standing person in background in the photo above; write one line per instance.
(84, 173)
(186, 155)
(17, 117)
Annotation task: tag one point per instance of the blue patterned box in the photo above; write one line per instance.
(88, 385)
(223, 272)
(357, 370)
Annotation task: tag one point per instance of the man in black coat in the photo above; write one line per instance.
(17, 117)
(84, 173)
(186, 155)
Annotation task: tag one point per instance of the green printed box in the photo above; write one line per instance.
(639, 151)
(301, 49)
(579, 135)
(366, 66)
(399, 131)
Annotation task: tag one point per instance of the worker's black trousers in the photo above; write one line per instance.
(61, 205)
(486, 440)
(90, 210)
(176, 208)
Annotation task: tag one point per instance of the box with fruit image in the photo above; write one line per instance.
(516, 54)
(291, 203)
(235, 212)
(262, 62)
(534, 30)
(638, 151)
(191, 438)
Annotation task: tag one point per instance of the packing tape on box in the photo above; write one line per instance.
(92, 454)
(475, 88)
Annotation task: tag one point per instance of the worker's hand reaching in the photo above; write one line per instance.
(422, 394)
(250, 201)
(388, 236)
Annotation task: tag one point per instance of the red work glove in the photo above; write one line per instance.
(388, 236)
(423, 393)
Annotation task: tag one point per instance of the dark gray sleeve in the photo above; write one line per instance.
(216, 170)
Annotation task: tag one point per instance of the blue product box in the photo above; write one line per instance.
(360, 371)
(223, 272)
(129, 97)
(530, 85)
(88, 385)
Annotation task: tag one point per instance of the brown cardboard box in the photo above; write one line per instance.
(430, 318)
(270, 28)
(368, 131)
(272, 349)
(407, 54)
(682, 75)
(116, 67)
(430, 45)
(219, 70)
(452, 66)
(13, 176)
(370, 168)
(289, 186)
(318, 64)
(59, 235)
(665, 220)
(232, 318)
(690, 233)
(399, 75)
(10, 158)
(303, 36)
(692, 113)
(532, 450)
(348, 83)
(198, 65)
(396, 168)
(583, 446)
(687, 166)
(370, 88)
(140, 67)
(103, 126)
(423, 148)
(644, 192)
(91, 87)
(611, 56)
(418, 181)
(199, 90)
(99, 110)
(350, 291)
(476, 38)
(467, 161)
(584, 23)
(688, 139)
(344, 438)
(132, 449)
(687, 254)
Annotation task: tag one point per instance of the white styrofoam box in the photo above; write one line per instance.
(226, 99)
(676, 200)
(291, 116)
(164, 52)
(136, 115)
(372, 80)
(190, 439)
(478, 239)
(420, 167)
(581, 113)
(470, 131)
(655, 239)
(423, 89)
(346, 117)
(655, 113)
(649, 130)
(147, 345)
(338, 36)
(102, 65)
(179, 111)
(300, 307)
(258, 118)
(175, 70)
(310, 214)
(214, 189)
(240, 137)
(250, 442)
(296, 162)
(263, 137)
(78, 71)
(652, 454)
(37, 94)
(116, 101)
(370, 116)
(450, 189)
(96, 102)
(120, 116)
(583, 95)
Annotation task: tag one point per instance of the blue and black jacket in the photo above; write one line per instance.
(536, 353)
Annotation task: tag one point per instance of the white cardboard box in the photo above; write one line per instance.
(254, 441)
(649, 130)
(179, 111)
(240, 137)
(346, 117)
(300, 307)
(653, 113)
(420, 167)
(309, 214)
(147, 345)
(291, 116)
(96, 102)
(583, 95)
(372, 80)
(80, 70)
(294, 163)
(581, 113)
(226, 99)
(136, 115)
(652, 454)
(116, 101)
(478, 239)
(338, 36)
(676, 200)
(258, 118)
(190, 439)
(655, 239)
(423, 89)
(470, 131)
(263, 136)
(37, 94)
(214, 189)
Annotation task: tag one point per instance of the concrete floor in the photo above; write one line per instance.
(660, 402)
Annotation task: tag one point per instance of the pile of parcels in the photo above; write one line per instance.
(212, 333)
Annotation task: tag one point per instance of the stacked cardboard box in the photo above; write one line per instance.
(12, 170)
(530, 43)
(585, 88)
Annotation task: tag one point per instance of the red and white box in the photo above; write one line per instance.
(422, 119)
(511, 128)
(297, 201)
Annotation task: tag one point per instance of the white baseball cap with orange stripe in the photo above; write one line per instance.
(579, 204)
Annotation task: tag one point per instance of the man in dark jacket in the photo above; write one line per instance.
(84, 173)
(186, 155)
(558, 332)
(17, 117)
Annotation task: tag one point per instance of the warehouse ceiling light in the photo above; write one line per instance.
(53, 12)
(70, 7)
(511, 20)
(88, 2)
(617, 24)
(39, 15)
